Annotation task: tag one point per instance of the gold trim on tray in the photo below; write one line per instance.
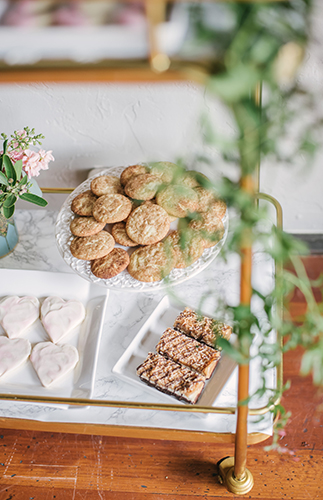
(57, 190)
(130, 404)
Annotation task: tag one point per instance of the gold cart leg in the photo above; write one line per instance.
(227, 478)
(232, 470)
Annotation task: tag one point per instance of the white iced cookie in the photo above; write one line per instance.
(17, 314)
(13, 352)
(51, 361)
(59, 317)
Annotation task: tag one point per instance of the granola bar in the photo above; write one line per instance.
(188, 352)
(201, 328)
(171, 378)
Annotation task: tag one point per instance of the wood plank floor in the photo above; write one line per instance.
(38, 465)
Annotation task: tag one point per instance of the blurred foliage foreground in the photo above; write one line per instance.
(264, 42)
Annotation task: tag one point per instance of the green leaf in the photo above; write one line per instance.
(33, 198)
(18, 169)
(312, 362)
(3, 179)
(23, 181)
(8, 211)
(10, 201)
(9, 168)
(231, 351)
(5, 145)
(236, 83)
(264, 50)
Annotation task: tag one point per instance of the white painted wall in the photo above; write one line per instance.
(108, 124)
(121, 124)
(300, 188)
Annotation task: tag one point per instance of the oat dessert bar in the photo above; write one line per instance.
(188, 352)
(171, 378)
(201, 328)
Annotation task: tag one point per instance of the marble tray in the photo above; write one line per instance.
(126, 313)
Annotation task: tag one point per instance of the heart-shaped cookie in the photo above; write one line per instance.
(13, 352)
(17, 314)
(51, 361)
(59, 317)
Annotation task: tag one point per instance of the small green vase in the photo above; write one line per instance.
(8, 235)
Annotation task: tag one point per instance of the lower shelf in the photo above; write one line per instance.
(130, 432)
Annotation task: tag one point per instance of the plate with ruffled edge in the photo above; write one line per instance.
(124, 281)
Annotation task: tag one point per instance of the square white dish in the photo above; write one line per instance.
(145, 341)
(86, 337)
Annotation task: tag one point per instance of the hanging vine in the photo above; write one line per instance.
(263, 42)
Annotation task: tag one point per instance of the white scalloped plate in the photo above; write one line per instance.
(123, 281)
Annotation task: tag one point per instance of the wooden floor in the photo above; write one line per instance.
(41, 466)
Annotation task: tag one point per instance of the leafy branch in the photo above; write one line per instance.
(264, 42)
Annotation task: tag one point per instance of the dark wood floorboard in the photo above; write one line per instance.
(41, 465)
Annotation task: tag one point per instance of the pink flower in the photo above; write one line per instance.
(16, 155)
(31, 163)
(45, 158)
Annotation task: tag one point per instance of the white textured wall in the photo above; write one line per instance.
(299, 188)
(111, 124)
(103, 124)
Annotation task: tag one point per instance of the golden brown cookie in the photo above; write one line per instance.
(83, 203)
(217, 209)
(153, 201)
(92, 247)
(163, 169)
(112, 208)
(112, 264)
(151, 263)
(209, 227)
(192, 178)
(106, 184)
(147, 224)
(86, 226)
(143, 186)
(131, 171)
(120, 235)
(206, 198)
(188, 246)
(177, 200)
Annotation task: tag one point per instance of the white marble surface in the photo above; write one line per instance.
(126, 313)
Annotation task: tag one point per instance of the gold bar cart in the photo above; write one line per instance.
(157, 68)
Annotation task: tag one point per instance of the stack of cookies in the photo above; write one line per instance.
(186, 356)
(135, 213)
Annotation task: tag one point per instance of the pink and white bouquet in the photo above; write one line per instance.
(18, 164)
